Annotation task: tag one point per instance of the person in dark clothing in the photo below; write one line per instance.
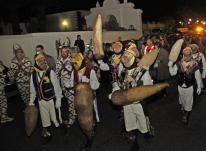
(49, 59)
(80, 43)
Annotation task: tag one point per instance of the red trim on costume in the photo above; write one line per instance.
(86, 73)
(148, 49)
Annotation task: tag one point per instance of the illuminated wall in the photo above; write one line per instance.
(29, 41)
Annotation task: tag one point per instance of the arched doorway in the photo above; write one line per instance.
(111, 23)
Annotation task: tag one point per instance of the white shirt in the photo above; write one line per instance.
(55, 83)
(93, 81)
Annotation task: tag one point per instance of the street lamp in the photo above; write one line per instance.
(65, 24)
(199, 29)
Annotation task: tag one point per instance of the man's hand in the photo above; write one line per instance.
(115, 87)
(170, 63)
(31, 103)
(204, 74)
(85, 79)
(129, 79)
(58, 104)
(199, 91)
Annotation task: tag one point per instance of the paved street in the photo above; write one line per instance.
(170, 135)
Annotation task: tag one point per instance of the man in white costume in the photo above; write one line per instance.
(188, 73)
(44, 86)
(199, 58)
(83, 74)
(129, 75)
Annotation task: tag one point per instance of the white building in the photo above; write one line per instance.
(124, 13)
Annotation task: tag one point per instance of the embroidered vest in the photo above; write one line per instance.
(44, 88)
(187, 77)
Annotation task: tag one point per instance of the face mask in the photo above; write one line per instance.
(77, 60)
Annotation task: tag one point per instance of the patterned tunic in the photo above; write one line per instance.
(63, 71)
(20, 73)
(3, 100)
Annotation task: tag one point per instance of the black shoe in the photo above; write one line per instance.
(64, 129)
(147, 137)
(46, 141)
(185, 118)
(88, 144)
(186, 123)
(45, 134)
(135, 147)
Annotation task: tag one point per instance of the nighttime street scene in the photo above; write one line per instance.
(103, 75)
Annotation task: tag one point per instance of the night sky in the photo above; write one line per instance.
(152, 9)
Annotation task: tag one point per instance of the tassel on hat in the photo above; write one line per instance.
(17, 47)
(60, 43)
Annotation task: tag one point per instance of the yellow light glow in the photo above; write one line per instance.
(203, 22)
(190, 20)
(65, 23)
(199, 29)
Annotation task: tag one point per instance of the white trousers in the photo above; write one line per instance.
(47, 113)
(134, 118)
(96, 110)
(186, 97)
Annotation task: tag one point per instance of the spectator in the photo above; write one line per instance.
(80, 43)
(49, 59)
